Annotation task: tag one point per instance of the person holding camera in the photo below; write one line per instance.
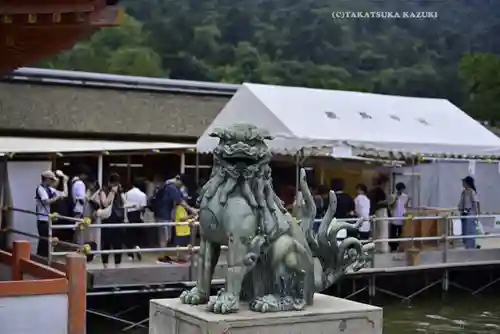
(112, 212)
(46, 197)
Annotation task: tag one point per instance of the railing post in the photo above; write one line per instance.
(49, 242)
(374, 239)
(445, 237)
(77, 293)
(21, 250)
(194, 230)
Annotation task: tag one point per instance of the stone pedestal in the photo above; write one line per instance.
(328, 315)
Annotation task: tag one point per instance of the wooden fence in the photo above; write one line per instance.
(48, 281)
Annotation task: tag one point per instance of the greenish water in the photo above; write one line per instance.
(459, 315)
(465, 315)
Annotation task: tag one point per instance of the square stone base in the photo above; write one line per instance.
(328, 315)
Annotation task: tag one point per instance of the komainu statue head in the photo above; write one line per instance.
(242, 144)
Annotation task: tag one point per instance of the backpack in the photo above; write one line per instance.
(155, 202)
(117, 211)
(66, 206)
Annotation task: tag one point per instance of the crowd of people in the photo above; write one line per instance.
(365, 204)
(113, 203)
(173, 200)
(376, 202)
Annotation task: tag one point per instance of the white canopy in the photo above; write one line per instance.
(349, 123)
(52, 145)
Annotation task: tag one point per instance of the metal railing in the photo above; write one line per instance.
(86, 223)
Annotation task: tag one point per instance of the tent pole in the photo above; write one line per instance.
(413, 184)
(197, 171)
(54, 161)
(100, 181)
(129, 169)
(183, 163)
(100, 169)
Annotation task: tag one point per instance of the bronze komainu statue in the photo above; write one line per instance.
(271, 258)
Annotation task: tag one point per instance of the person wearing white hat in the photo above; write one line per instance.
(45, 196)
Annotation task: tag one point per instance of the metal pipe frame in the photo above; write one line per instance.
(372, 288)
(193, 250)
(119, 315)
(36, 236)
(131, 292)
(137, 324)
(445, 282)
(112, 317)
(445, 237)
(128, 225)
(166, 223)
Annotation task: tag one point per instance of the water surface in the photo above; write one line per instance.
(458, 315)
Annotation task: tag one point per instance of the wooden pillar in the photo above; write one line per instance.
(54, 162)
(197, 178)
(21, 250)
(77, 289)
(100, 166)
(129, 170)
(183, 163)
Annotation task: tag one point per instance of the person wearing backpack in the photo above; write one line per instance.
(45, 197)
(171, 196)
(155, 205)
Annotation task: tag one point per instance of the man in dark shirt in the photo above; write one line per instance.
(345, 203)
(171, 196)
(377, 196)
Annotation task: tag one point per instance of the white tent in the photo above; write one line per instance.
(21, 145)
(350, 123)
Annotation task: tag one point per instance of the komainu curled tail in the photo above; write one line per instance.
(335, 256)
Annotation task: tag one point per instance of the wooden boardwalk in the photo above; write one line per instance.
(150, 273)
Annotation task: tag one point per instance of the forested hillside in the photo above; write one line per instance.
(297, 42)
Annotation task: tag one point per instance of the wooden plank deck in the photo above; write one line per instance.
(149, 273)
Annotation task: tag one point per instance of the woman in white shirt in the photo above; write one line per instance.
(362, 210)
(398, 208)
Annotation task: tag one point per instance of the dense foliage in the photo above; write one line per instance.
(297, 42)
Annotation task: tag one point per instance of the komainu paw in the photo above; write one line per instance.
(194, 297)
(223, 303)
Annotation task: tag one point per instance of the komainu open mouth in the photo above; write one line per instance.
(240, 160)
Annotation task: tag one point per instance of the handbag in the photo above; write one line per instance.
(105, 213)
(479, 228)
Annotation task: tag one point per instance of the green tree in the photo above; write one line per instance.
(120, 50)
(481, 74)
(297, 42)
